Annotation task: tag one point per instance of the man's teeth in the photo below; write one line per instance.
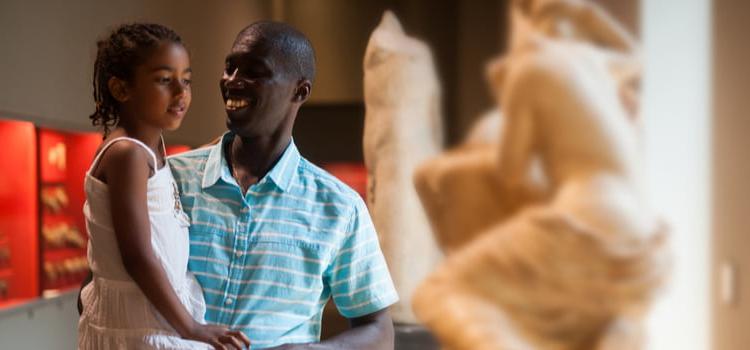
(234, 104)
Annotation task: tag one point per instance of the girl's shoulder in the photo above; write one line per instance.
(123, 156)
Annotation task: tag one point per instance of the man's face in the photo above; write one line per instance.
(258, 93)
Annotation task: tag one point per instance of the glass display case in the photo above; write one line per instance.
(64, 159)
(43, 236)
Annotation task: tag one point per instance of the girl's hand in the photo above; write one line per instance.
(219, 337)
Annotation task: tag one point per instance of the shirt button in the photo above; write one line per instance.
(238, 253)
(229, 301)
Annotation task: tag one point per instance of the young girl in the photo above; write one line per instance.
(141, 296)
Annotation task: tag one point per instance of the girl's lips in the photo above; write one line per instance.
(177, 111)
(177, 108)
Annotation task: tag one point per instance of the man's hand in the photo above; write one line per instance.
(221, 338)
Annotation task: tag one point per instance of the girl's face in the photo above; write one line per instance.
(159, 93)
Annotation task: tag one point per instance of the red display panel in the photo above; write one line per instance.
(19, 213)
(176, 149)
(352, 174)
(64, 159)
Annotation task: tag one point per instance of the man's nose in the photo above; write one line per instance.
(232, 82)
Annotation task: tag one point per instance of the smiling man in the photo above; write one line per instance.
(273, 237)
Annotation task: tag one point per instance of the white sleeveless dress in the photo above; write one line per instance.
(116, 314)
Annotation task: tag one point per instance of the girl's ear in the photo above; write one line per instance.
(119, 89)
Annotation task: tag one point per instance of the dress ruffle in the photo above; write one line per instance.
(114, 308)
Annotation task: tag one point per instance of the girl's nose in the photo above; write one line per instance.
(179, 87)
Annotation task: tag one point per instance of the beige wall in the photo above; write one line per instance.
(731, 176)
(48, 50)
(339, 31)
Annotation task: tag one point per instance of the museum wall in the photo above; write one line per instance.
(49, 49)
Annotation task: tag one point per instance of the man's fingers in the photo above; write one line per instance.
(241, 336)
(231, 341)
(218, 345)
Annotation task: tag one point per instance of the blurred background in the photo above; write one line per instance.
(693, 105)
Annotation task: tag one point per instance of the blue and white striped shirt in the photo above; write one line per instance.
(269, 260)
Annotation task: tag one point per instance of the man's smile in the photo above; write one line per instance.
(238, 103)
(233, 104)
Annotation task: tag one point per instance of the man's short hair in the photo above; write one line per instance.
(293, 46)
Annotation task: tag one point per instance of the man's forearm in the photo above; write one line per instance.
(373, 332)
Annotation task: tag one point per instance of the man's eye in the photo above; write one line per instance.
(187, 82)
(164, 80)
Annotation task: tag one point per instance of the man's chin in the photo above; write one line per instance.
(235, 120)
(234, 127)
(237, 127)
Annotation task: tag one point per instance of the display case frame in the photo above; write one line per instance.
(18, 213)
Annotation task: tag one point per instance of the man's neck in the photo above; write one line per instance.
(250, 159)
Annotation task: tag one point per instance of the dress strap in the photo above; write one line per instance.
(136, 141)
(163, 147)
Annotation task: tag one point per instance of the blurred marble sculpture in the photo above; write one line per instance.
(461, 188)
(403, 127)
(568, 253)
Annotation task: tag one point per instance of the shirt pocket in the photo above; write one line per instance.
(209, 256)
(296, 268)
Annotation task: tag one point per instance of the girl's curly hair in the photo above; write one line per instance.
(117, 56)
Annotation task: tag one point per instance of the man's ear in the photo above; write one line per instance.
(304, 87)
(118, 88)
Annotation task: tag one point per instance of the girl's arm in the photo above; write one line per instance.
(124, 167)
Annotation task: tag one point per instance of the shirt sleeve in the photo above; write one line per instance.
(358, 276)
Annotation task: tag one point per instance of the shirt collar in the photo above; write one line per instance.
(281, 174)
(284, 171)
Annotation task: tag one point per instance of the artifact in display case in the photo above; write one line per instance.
(3, 289)
(64, 160)
(19, 213)
(62, 235)
(61, 273)
(54, 198)
(56, 156)
(4, 256)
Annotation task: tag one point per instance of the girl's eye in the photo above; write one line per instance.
(164, 80)
(187, 82)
